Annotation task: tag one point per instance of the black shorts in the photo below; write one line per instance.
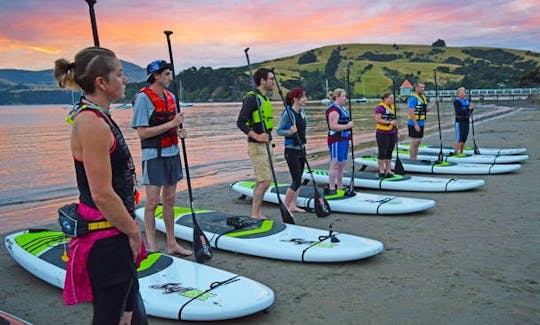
(113, 277)
(414, 134)
(385, 144)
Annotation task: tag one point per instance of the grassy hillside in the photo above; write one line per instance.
(373, 65)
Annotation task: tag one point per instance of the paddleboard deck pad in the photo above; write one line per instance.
(467, 150)
(361, 203)
(170, 287)
(445, 167)
(399, 182)
(269, 238)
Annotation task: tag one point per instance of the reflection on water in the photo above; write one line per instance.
(36, 167)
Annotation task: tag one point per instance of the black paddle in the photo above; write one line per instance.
(350, 190)
(398, 168)
(93, 21)
(285, 214)
(441, 156)
(201, 245)
(322, 207)
(476, 150)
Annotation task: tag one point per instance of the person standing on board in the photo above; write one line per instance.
(385, 134)
(292, 126)
(102, 264)
(340, 125)
(417, 110)
(157, 121)
(463, 109)
(251, 123)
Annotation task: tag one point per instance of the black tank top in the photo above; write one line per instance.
(123, 170)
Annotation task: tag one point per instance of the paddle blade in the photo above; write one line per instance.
(286, 215)
(398, 168)
(201, 246)
(322, 207)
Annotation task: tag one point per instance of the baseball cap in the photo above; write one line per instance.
(156, 67)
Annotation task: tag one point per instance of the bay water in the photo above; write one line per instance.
(36, 167)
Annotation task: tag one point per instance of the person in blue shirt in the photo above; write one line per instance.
(463, 109)
(292, 126)
(417, 108)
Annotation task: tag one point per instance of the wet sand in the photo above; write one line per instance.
(472, 259)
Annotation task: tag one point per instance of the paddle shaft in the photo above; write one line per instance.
(93, 21)
(476, 150)
(198, 233)
(398, 168)
(441, 157)
(285, 216)
(351, 184)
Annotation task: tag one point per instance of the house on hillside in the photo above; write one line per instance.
(406, 89)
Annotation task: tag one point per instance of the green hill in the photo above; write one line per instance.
(372, 67)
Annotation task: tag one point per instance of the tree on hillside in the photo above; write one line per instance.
(333, 63)
(308, 57)
(439, 43)
(531, 79)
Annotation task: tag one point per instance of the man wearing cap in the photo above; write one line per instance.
(157, 122)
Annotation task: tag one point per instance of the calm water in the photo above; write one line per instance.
(36, 167)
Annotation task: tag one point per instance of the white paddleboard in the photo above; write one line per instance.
(361, 203)
(400, 182)
(467, 150)
(8, 319)
(465, 158)
(445, 167)
(269, 238)
(167, 284)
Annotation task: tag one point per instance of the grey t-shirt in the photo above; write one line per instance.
(142, 110)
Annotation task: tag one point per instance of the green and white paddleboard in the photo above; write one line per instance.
(170, 287)
(360, 203)
(445, 167)
(467, 150)
(400, 182)
(269, 238)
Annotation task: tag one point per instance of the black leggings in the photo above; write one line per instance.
(296, 161)
(114, 281)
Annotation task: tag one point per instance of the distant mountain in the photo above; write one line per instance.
(39, 87)
(372, 68)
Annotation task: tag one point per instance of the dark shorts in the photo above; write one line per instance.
(385, 144)
(113, 277)
(295, 160)
(462, 131)
(162, 171)
(414, 134)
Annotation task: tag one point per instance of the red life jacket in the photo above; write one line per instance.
(164, 111)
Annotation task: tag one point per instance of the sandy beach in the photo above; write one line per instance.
(472, 259)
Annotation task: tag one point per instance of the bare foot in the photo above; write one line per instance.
(297, 209)
(178, 250)
(259, 217)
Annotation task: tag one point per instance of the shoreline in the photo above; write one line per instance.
(471, 259)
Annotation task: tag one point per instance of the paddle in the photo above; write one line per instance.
(441, 156)
(322, 207)
(398, 168)
(201, 245)
(285, 214)
(476, 150)
(93, 21)
(350, 190)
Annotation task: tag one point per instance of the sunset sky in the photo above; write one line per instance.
(33, 33)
